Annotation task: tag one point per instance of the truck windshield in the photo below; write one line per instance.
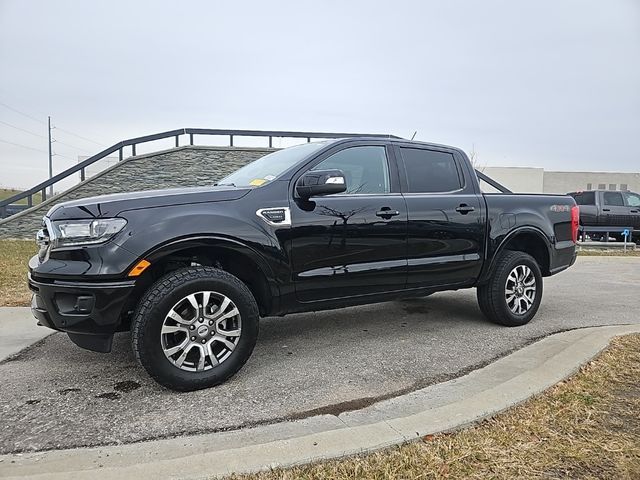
(269, 167)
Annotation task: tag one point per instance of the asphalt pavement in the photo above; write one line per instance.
(55, 395)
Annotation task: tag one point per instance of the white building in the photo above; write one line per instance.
(537, 180)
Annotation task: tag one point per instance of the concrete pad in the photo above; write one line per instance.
(470, 398)
(19, 330)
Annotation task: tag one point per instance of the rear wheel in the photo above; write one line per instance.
(512, 296)
(195, 328)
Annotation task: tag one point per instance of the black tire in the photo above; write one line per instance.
(492, 296)
(162, 297)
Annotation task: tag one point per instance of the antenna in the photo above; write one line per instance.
(414, 135)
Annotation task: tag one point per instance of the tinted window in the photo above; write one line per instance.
(585, 198)
(430, 171)
(365, 168)
(633, 200)
(613, 199)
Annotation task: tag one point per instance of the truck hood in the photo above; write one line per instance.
(111, 205)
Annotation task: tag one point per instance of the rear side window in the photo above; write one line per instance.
(613, 199)
(429, 171)
(585, 198)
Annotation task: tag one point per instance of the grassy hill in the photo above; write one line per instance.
(6, 193)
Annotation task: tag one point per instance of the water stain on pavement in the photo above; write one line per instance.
(126, 386)
(109, 395)
(64, 391)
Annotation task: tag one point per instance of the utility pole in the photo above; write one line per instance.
(50, 157)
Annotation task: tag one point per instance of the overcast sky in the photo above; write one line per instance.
(554, 84)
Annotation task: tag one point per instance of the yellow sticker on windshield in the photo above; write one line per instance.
(256, 182)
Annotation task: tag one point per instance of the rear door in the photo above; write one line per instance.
(446, 217)
(613, 210)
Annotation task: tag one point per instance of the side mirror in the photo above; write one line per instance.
(321, 182)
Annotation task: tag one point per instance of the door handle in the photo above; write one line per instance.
(606, 209)
(387, 213)
(635, 211)
(463, 208)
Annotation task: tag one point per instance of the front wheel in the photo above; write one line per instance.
(195, 328)
(512, 296)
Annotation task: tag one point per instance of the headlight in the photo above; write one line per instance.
(85, 232)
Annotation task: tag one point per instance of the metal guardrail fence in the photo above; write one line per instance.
(626, 232)
(132, 142)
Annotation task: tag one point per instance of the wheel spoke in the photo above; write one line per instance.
(174, 328)
(230, 345)
(180, 360)
(173, 350)
(205, 301)
(200, 366)
(220, 311)
(234, 312)
(229, 333)
(211, 355)
(174, 315)
(193, 302)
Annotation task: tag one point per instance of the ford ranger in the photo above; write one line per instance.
(316, 226)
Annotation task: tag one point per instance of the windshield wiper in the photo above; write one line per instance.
(224, 184)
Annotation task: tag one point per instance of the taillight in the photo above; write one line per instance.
(575, 222)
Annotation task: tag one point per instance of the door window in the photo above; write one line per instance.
(585, 198)
(633, 199)
(365, 168)
(429, 171)
(613, 199)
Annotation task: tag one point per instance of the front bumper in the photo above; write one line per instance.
(90, 312)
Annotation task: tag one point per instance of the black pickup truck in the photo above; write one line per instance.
(609, 208)
(317, 226)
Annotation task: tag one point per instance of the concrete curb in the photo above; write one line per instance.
(446, 406)
(19, 330)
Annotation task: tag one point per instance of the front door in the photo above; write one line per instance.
(632, 201)
(353, 243)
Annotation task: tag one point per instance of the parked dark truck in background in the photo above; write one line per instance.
(608, 208)
(317, 226)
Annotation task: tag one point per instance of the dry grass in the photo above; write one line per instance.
(10, 192)
(14, 257)
(587, 428)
